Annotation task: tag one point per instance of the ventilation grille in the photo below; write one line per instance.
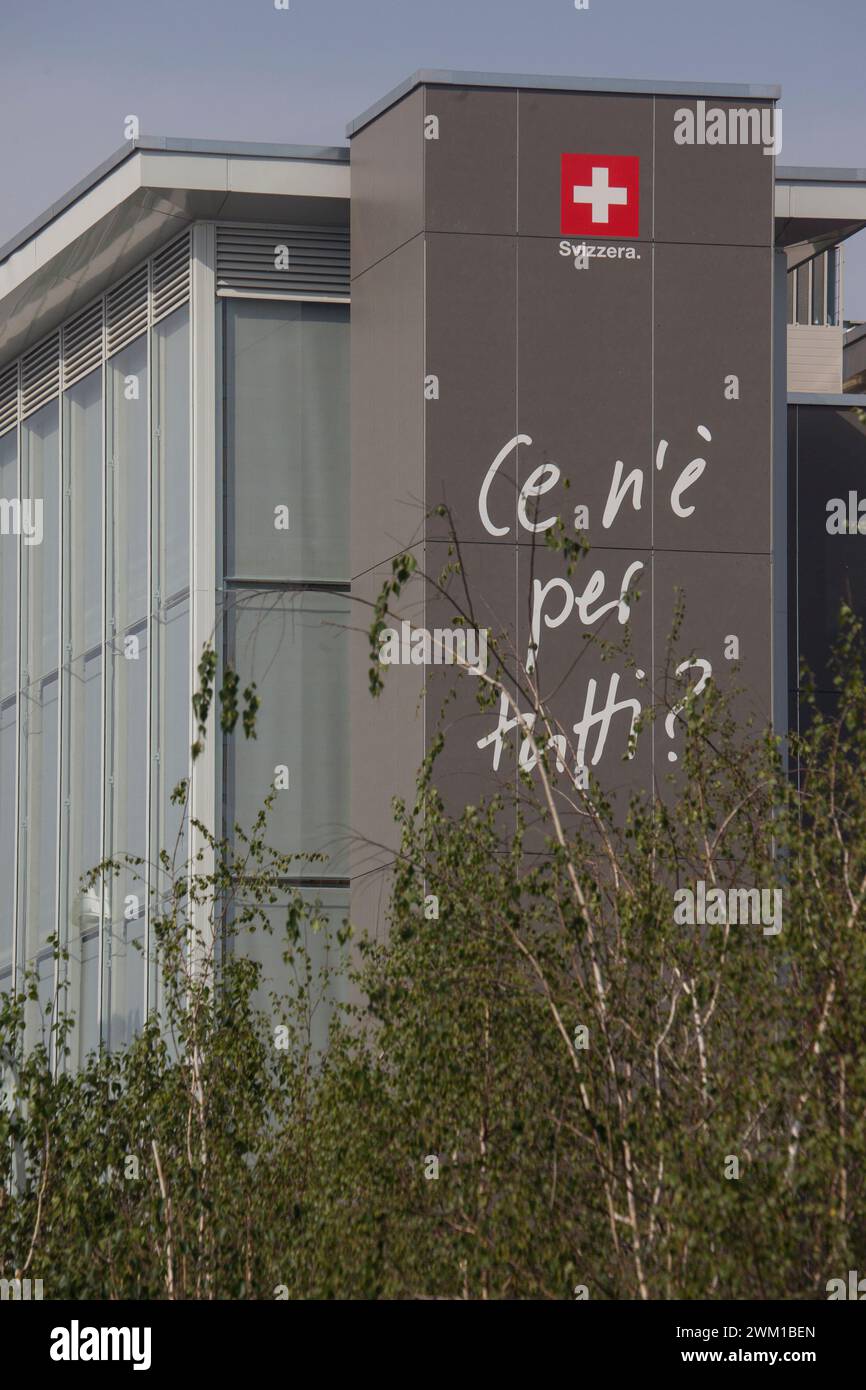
(82, 344)
(40, 375)
(9, 398)
(126, 311)
(253, 260)
(170, 283)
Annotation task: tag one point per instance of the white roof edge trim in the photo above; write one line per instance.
(155, 169)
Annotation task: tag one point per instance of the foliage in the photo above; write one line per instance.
(457, 1139)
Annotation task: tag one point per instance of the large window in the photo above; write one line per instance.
(287, 389)
(171, 448)
(813, 290)
(293, 645)
(317, 972)
(94, 642)
(287, 582)
(8, 764)
(128, 493)
(40, 688)
(8, 705)
(81, 741)
(97, 615)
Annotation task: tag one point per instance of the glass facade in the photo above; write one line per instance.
(9, 546)
(287, 422)
(94, 658)
(40, 691)
(286, 558)
(814, 290)
(128, 671)
(97, 615)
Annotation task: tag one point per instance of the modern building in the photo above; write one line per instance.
(548, 278)
(167, 392)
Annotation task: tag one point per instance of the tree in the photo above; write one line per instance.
(558, 1085)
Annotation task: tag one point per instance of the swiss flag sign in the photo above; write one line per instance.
(601, 195)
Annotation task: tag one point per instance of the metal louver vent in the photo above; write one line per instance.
(170, 283)
(82, 344)
(308, 262)
(126, 311)
(9, 398)
(40, 375)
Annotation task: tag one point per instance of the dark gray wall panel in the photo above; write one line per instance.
(590, 645)
(387, 745)
(585, 383)
(387, 736)
(713, 318)
(387, 183)
(387, 366)
(593, 366)
(711, 193)
(472, 350)
(484, 589)
(551, 125)
(470, 171)
(724, 596)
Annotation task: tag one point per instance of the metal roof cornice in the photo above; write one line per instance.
(615, 86)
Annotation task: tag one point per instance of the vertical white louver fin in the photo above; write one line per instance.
(126, 311)
(40, 375)
(9, 398)
(296, 260)
(82, 344)
(148, 294)
(170, 278)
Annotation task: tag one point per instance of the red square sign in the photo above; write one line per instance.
(600, 195)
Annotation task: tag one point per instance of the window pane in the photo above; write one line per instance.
(287, 381)
(9, 706)
(175, 736)
(172, 449)
(83, 541)
(294, 647)
(129, 487)
(39, 712)
(8, 568)
(791, 278)
(819, 292)
(172, 461)
(129, 762)
(45, 1012)
(128, 675)
(41, 483)
(832, 272)
(84, 970)
(8, 741)
(319, 941)
(125, 962)
(84, 771)
(81, 749)
(803, 293)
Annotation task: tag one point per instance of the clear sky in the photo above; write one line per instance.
(71, 70)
